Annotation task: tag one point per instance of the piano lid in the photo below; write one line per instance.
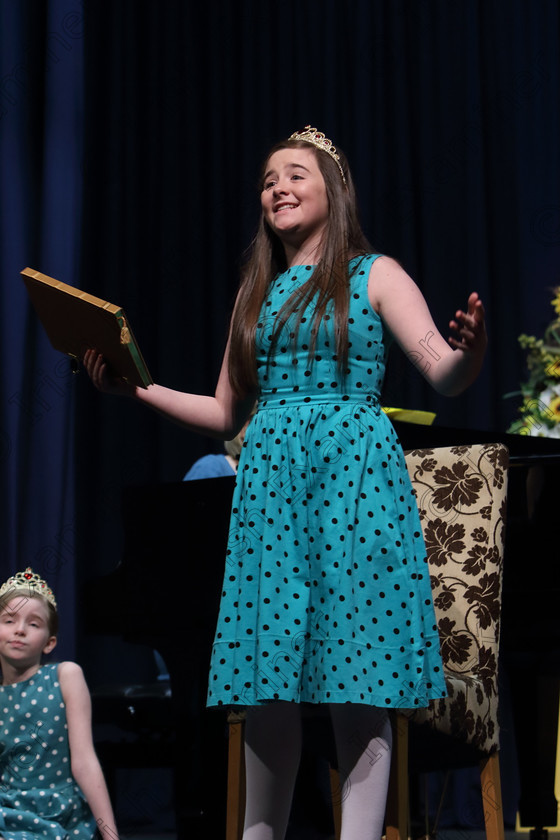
(523, 449)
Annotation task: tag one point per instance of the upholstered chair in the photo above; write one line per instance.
(461, 493)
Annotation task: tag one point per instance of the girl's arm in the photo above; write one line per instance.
(221, 415)
(448, 367)
(86, 769)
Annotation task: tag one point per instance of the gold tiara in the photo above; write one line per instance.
(31, 581)
(318, 139)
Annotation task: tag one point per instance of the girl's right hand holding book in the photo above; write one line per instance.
(101, 377)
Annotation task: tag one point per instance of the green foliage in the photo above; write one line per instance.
(539, 413)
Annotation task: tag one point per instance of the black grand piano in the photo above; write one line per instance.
(175, 534)
(183, 526)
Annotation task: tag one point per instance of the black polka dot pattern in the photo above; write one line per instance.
(326, 592)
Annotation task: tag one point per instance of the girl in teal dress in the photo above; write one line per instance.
(51, 783)
(326, 596)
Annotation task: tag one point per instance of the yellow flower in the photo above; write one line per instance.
(554, 408)
(552, 367)
(540, 409)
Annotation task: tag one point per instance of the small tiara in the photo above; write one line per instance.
(28, 580)
(318, 139)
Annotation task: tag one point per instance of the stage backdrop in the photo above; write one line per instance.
(41, 199)
(130, 141)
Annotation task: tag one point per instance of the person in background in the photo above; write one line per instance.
(224, 464)
(52, 785)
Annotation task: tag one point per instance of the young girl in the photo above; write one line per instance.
(326, 594)
(51, 783)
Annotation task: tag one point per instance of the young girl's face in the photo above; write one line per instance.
(24, 631)
(294, 196)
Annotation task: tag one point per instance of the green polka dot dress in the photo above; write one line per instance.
(326, 594)
(38, 796)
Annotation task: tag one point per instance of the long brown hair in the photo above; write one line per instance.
(343, 239)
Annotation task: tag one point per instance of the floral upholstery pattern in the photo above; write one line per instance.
(461, 494)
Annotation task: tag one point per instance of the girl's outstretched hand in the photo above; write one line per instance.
(470, 328)
(102, 379)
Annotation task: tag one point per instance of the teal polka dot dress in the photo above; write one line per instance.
(326, 594)
(38, 796)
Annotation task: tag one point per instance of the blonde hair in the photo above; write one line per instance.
(22, 592)
(234, 447)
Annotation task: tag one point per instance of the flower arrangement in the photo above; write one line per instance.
(540, 410)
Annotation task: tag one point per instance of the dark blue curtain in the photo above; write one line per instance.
(41, 141)
(131, 135)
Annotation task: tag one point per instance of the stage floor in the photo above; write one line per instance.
(444, 834)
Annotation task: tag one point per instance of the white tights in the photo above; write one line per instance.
(272, 753)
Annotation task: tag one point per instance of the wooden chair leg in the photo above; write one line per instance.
(336, 797)
(492, 797)
(235, 814)
(396, 816)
